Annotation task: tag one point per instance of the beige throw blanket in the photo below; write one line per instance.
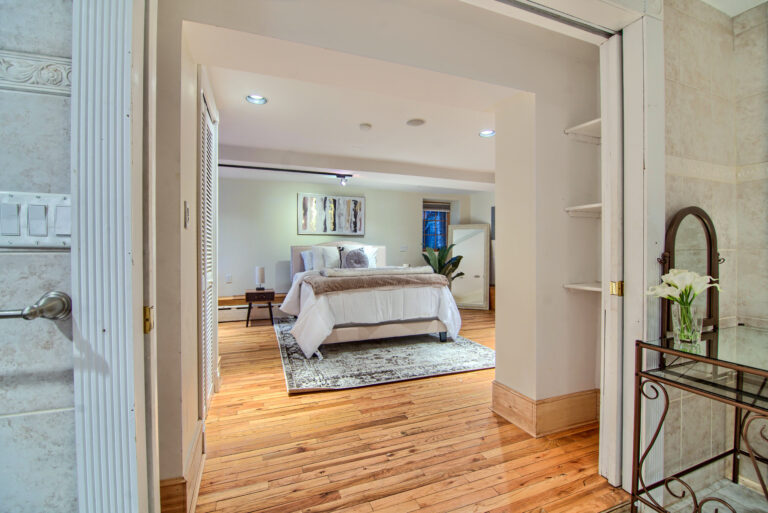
(368, 271)
(323, 285)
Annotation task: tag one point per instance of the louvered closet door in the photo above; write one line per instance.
(206, 224)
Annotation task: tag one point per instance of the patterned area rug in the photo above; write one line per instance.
(360, 364)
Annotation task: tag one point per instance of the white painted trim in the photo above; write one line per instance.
(644, 205)
(612, 178)
(106, 156)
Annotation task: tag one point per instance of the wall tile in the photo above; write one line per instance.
(673, 21)
(729, 281)
(721, 65)
(753, 275)
(42, 27)
(753, 218)
(34, 142)
(696, 426)
(751, 18)
(752, 129)
(42, 476)
(35, 356)
(721, 136)
(688, 118)
(693, 58)
(672, 438)
(718, 199)
(751, 61)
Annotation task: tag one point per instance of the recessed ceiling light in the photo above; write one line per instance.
(415, 122)
(255, 99)
(487, 133)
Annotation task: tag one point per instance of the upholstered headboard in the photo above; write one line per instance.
(297, 264)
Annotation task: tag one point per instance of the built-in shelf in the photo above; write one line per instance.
(594, 286)
(590, 210)
(586, 132)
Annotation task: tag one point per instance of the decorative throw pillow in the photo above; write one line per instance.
(308, 258)
(355, 259)
(326, 256)
(370, 252)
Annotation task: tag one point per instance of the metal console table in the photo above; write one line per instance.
(728, 381)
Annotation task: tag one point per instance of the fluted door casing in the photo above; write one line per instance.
(107, 255)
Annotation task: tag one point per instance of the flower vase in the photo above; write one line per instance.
(687, 322)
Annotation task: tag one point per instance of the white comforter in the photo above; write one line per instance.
(317, 315)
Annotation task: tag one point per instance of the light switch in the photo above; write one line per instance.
(9, 219)
(37, 220)
(62, 225)
(403, 249)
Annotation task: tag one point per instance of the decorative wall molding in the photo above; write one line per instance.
(35, 73)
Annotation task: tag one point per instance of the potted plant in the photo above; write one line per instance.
(437, 260)
(681, 287)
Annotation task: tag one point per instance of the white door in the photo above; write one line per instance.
(612, 168)
(207, 251)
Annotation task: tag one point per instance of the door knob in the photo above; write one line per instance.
(54, 305)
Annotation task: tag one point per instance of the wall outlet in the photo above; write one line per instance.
(403, 249)
(227, 278)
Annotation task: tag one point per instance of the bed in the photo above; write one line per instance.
(365, 314)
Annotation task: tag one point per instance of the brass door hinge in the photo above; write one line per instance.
(149, 322)
(617, 288)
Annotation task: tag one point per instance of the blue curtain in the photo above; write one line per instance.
(435, 229)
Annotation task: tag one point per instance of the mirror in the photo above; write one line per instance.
(473, 243)
(691, 250)
(691, 243)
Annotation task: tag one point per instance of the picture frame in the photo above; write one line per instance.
(328, 214)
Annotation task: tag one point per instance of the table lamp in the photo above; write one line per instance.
(259, 277)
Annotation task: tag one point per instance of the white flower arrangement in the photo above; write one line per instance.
(682, 287)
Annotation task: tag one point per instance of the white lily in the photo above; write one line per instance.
(664, 291)
(679, 278)
(702, 283)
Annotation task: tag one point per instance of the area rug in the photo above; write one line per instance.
(374, 362)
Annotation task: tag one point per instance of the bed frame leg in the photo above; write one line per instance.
(443, 336)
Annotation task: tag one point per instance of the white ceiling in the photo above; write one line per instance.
(734, 7)
(319, 97)
(309, 117)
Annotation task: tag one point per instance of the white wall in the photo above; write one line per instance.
(257, 226)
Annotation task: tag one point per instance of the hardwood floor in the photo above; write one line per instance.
(429, 445)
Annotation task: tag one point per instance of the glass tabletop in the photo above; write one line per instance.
(736, 371)
(740, 345)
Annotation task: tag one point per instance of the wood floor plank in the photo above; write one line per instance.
(430, 445)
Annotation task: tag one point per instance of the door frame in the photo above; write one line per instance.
(113, 452)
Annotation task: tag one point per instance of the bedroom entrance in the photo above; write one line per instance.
(314, 133)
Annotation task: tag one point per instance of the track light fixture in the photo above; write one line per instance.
(343, 180)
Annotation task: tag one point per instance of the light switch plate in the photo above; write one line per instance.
(43, 220)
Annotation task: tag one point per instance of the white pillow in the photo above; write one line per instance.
(309, 260)
(326, 256)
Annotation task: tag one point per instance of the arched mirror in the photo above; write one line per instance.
(691, 243)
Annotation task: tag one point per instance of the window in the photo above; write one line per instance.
(437, 217)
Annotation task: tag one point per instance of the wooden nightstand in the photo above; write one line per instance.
(260, 297)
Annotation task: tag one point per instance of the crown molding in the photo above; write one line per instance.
(35, 73)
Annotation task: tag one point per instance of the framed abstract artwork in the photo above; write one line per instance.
(320, 214)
